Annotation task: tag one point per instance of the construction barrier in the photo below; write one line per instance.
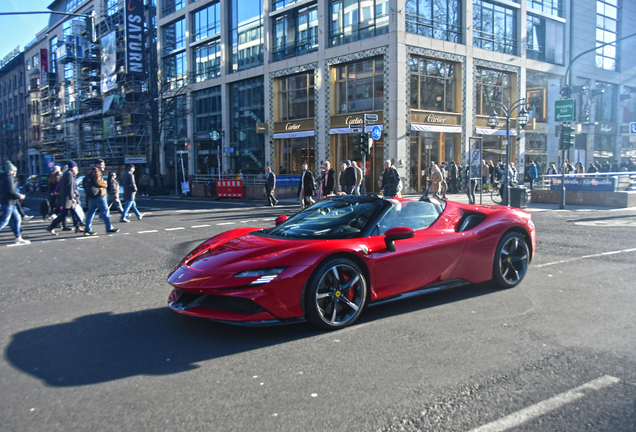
(229, 188)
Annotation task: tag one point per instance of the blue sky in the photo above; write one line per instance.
(20, 29)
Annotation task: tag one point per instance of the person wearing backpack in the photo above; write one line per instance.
(95, 190)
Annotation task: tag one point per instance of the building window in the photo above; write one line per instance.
(545, 39)
(437, 19)
(294, 152)
(551, 7)
(175, 123)
(295, 97)
(175, 70)
(279, 4)
(207, 61)
(53, 63)
(628, 102)
(112, 7)
(606, 31)
(352, 20)
(491, 85)
(604, 102)
(432, 85)
(207, 22)
(494, 27)
(247, 34)
(295, 33)
(170, 6)
(207, 117)
(174, 36)
(247, 108)
(360, 86)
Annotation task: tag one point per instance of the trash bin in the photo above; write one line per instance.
(518, 197)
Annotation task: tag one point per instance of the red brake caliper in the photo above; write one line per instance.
(349, 293)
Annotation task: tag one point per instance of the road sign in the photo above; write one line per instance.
(564, 110)
(632, 128)
(376, 132)
(505, 142)
(51, 164)
(228, 149)
(356, 125)
(215, 135)
(370, 118)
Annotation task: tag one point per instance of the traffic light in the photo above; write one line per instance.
(356, 142)
(567, 137)
(364, 143)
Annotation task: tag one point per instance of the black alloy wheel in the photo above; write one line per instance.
(336, 294)
(511, 260)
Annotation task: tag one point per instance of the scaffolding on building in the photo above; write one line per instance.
(82, 122)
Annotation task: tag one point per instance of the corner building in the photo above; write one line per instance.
(282, 80)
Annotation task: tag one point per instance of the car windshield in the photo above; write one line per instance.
(330, 219)
(416, 215)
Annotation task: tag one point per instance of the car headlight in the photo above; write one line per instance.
(263, 275)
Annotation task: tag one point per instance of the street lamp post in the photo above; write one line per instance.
(522, 120)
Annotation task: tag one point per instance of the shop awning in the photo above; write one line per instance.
(299, 134)
(488, 131)
(436, 128)
(348, 130)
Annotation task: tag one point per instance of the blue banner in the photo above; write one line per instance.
(288, 180)
(585, 183)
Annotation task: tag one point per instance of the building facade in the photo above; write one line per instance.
(13, 136)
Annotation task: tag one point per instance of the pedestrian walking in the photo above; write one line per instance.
(470, 186)
(436, 180)
(112, 193)
(485, 174)
(329, 182)
(359, 177)
(130, 193)
(54, 178)
(390, 180)
(306, 188)
(452, 176)
(350, 178)
(532, 173)
(270, 187)
(443, 184)
(9, 198)
(144, 182)
(67, 199)
(95, 190)
(552, 170)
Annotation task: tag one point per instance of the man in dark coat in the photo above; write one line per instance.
(329, 182)
(390, 180)
(67, 199)
(97, 201)
(306, 188)
(270, 186)
(9, 198)
(452, 177)
(350, 178)
(130, 193)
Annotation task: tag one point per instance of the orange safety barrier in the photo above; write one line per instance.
(229, 188)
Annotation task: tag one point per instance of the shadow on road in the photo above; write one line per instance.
(103, 347)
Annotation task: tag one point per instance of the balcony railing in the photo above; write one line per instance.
(423, 26)
(283, 49)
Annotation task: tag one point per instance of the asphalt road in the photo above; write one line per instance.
(89, 343)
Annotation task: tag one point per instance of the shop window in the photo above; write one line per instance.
(295, 96)
(294, 152)
(360, 86)
(432, 84)
(491, 85)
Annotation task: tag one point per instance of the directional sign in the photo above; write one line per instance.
(632, 128)
(355, 125)
(564, 110)
(356, 129)
(376, 132)
(370, 118)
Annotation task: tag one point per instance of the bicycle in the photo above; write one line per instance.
(495, 194)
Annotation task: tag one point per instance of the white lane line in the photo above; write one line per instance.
(585, 257)
(268, 219)
(50, 241)
(544, 407)
(174, 229)
(144, 232)
(226, 223)
(199, 226)
(249, 220)
(86, 237)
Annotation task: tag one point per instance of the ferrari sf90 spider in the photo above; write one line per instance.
(329, 261)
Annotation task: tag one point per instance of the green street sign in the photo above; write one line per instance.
(564, 110)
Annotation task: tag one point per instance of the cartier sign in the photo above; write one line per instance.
(425, 117)
(347, 119)
(294, 126)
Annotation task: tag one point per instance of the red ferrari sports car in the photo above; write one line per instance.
(327, 262)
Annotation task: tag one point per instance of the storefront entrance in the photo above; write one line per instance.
(342, 150)
(426, 147)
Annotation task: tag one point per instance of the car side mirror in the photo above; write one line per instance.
(280, 219)
(397, 233)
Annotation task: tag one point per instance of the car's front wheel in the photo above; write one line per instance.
(336, 294)
(511, 260)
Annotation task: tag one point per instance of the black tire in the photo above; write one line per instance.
(334, 303)
(511, 260)
(495, 194)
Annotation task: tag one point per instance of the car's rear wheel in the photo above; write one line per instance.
(336, 294)
(511, 260)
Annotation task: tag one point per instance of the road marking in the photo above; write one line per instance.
(249, 220)
(49, 241)
(544, 407)
(585, 257)
(174, 229)
(144, 232)
(226, 223)
(199, 226)
(86, 237)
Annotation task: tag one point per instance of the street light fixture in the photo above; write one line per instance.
(522, 120)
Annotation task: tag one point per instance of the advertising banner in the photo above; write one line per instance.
(44, 66)
(585, 183)
(108, 78)
(134, 25)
